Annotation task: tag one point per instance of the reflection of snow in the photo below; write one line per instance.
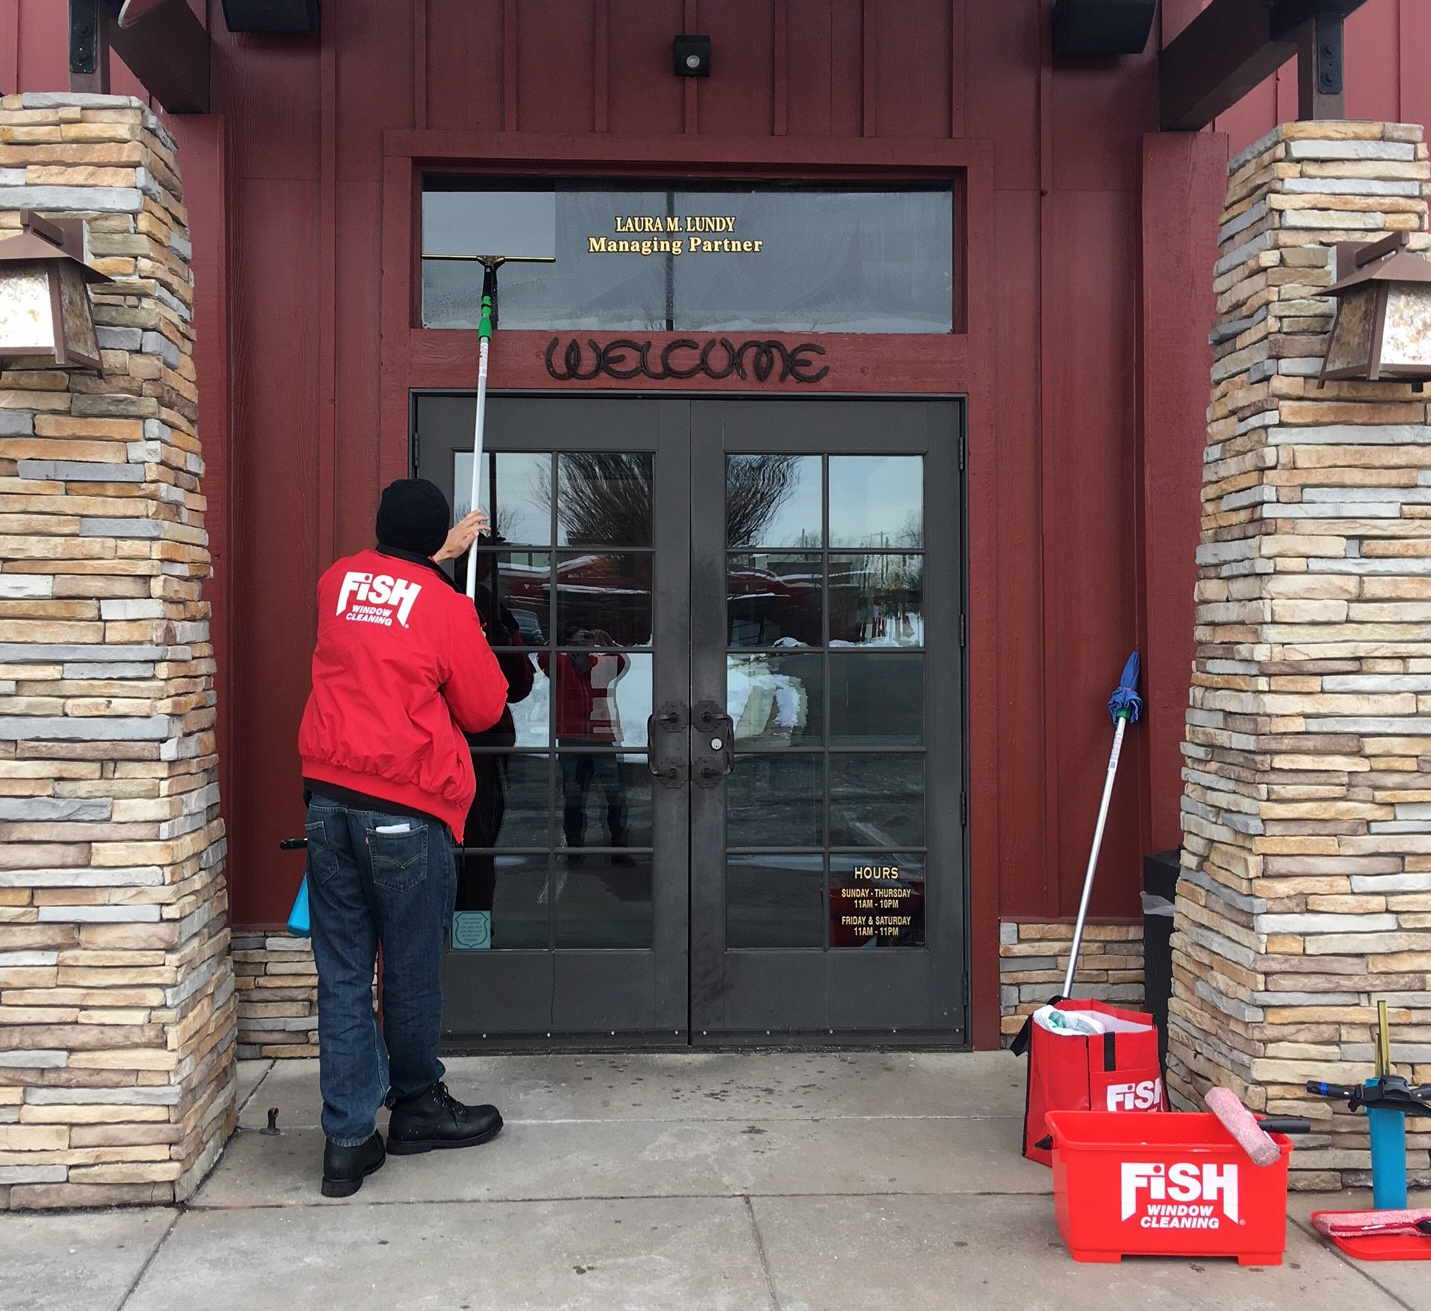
(763, 702)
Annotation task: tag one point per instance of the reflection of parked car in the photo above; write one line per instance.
(529, 626)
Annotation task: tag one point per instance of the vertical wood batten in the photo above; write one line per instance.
(780, 69)
(601, 69)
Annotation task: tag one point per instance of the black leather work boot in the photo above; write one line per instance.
(436, 1119)
(345, 1168)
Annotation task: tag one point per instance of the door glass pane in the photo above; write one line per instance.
(775, 901)
(773, 501)
(524, 591)
(502, 904)
(776, 700)
(603, 698)
(606, 802)
(774, 600)
(531, 716)
(524, 504)
(877, 801)
(877, 600)
(603, 900)
(877, 501)
(876, 901)
(513, 800)
(604, 599)
(776, 799)
(876, 699)
(604, 498)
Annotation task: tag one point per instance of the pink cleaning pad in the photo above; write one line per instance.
(1240, 1123)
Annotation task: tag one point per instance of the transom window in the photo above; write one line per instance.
(674, 257)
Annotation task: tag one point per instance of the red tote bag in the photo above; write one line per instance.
(1117, 1070)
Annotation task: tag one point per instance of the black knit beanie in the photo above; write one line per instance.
(413, 516)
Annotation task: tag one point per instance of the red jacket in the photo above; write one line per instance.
(400, 669)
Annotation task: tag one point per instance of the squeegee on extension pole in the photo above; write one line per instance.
(471, 226)
(1124, 705)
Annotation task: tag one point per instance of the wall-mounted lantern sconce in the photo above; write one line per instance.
(1383, 323)
(693, 56)
(45, 310)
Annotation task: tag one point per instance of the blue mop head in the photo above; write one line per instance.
(1125, 701)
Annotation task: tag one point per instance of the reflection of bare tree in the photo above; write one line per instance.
(756, 486)
(604, 497)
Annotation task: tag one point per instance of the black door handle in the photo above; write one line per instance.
(711, 720)
(672, 718)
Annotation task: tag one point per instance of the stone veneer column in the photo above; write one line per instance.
(116, 993)
(1306, 888)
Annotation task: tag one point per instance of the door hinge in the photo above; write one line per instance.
(963, 450)
(963, 628)
(964, 808)
(416, 453)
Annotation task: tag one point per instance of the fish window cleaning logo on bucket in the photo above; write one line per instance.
(369, 599)
(1183, 1195)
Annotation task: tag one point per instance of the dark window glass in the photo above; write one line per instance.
(604, 598)
(605, 802)
(774, 600)
(744, 258)
(877, 599)
(775, 901)
(877, 801)
(603, 900)
(512, 896)
(776, 799)
(512, 800)
(876, 699)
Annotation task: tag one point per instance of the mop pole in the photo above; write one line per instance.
(1093, 855)
(484, 343)
(1124, 705)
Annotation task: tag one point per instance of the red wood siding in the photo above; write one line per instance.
(1073, 280)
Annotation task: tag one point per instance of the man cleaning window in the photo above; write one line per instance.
(401, 671)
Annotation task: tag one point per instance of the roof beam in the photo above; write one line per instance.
(162, 41)
(1227, 50)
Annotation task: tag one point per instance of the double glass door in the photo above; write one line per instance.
(725, 803)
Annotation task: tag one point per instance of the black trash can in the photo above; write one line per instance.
(1160, 887)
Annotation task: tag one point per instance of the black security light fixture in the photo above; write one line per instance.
(693, 56)
(1102, 27)
(272, 17)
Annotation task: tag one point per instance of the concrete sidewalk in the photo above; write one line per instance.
(705, 1182)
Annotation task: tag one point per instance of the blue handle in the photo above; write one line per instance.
(298, 924)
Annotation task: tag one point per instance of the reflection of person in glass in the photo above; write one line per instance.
(477, 875)
(587, 716)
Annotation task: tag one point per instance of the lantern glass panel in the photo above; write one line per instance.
(80, 340)
(27, 318)
(1406, 338)
(1350, 347)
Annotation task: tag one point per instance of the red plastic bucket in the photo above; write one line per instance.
(1164, 1185)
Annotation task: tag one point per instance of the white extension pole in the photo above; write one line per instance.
(1093, 855)
(484, 342)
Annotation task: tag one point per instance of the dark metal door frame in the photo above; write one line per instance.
(897, 995)
(687, 988)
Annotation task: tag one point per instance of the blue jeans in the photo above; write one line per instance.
(369, 889)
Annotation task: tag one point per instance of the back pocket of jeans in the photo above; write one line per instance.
(399, 859)
(322, 861)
